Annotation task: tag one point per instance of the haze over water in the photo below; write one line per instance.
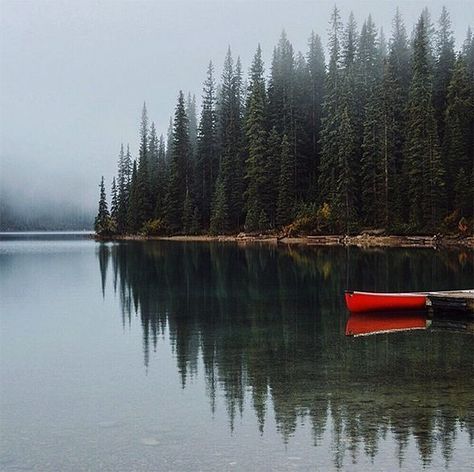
(172, 356)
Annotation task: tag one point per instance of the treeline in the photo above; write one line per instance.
(382, 136)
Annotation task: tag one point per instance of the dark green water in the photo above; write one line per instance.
(173, 356)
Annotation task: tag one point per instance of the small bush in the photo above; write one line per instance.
(155, 227)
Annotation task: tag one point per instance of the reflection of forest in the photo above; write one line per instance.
(271, 321)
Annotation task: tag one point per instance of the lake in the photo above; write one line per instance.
(212, 356)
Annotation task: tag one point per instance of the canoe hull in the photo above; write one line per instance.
(358, 302)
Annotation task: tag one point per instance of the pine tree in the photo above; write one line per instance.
(145, 208)
(122, 191)
(285, 187)
(207, 159)
(179, 170)
(102, 224)
(459, 119)
(444, 64)
(161, 180)
(153, 164)
(187, 213)
(269, 193)
(423, 163)
(329, 124)
(345, 201)
(230, 140)
(220, 211)
(134, 222)
(256, 142)
(317, 70)
(192, 123)
(114, 201)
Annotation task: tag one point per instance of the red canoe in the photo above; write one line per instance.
(358, 302)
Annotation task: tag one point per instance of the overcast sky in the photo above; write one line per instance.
(74, 74)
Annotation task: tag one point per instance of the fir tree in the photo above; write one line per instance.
(317, 70)
(285, 187)
(192, 122)
(230, 141)
(220, 211)
(444, 63)
(179, 170)
(459, 119)
(256, 142)
(114, 200)
(102, 224)
(329, 123)
(134, 222)
(161, 180)
(207, 159)
(122, 191)
(423, 163)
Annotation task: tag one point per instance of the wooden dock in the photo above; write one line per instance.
(461, 301)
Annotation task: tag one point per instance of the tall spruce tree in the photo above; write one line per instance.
(192, 122)
(444, 64)
(134, 219)
(256, 141)
(459, 119)
(102, 220)
(317, 70)
(122, 191)
(161, 179)
(329, 140)
(145, 208)
(423, 164)
(114, 200)
(179, 169)
(207, 157)
(286, 202)
(230, 141)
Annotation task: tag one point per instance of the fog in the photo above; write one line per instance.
(74, 76)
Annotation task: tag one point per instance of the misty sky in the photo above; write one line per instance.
(74, 74)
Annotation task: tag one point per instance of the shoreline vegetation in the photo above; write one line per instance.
(375, 139)
(364, 240)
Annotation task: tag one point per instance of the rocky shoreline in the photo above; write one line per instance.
(361, 240)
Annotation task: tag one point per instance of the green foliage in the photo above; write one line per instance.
(220, 210)
(104, 224)
(382, 138)
(155, 227)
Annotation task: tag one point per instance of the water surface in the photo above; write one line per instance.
(205, 356)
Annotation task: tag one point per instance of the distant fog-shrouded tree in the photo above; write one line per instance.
(207, 157)
(179, 181)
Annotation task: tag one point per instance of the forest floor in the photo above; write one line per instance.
(361, 240)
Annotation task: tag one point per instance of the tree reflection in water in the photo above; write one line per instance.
(269, 322)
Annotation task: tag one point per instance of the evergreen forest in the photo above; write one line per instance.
(364, 132)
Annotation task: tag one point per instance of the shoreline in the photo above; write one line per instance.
(361, 240)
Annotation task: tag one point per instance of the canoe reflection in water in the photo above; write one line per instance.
(363, 324)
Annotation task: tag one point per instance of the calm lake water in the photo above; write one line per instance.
(151, 356)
